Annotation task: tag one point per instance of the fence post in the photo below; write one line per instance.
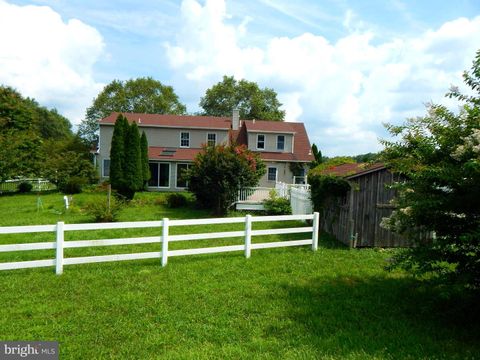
(59, 248)
(315, 229)
(165, 242)
(248, 235)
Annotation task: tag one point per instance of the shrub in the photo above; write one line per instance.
(159, 201)
(176, 200)
(439, 156)
(276, 205)
(218, 172)
(102, 212)
(25, 187)
(72, 185)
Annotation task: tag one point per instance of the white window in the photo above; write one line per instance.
(211, 139)
(272, 174)
(181, 182)
(281, 142)
(106, 168)
(184, 139)
(260, 142)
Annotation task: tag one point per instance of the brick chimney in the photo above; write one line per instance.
(235, 119)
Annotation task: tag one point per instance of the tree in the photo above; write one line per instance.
(117, 153)
(126, 172)
(28, 132)
(133, 173)
(317, 154)
(141, 95)
(439, 156)
(144, 152)
(68, 164)
(219, 172)
(368, 157)
(253, 102)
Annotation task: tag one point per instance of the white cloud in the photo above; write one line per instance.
(48, 59)
(343, 91)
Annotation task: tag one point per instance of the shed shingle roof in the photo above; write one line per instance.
(352, 170)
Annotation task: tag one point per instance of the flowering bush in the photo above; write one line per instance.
(439, 155)
(219, 172)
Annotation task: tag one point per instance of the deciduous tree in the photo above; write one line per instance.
(439, 156)
(141, 95)
(253, 102)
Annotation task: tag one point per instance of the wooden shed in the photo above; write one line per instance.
(355, 219)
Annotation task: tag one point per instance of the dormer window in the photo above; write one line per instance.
(281, 142)
(184, 139)
(260, 142)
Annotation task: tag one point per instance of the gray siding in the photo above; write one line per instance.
(283, 174)
(162, 137)
(167, 137)
(270, 142)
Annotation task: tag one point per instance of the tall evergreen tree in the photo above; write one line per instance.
(144, 152)
(117, 153)
(133, 174)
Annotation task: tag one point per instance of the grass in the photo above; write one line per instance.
(281, 303)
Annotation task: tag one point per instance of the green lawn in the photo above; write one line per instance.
(287, 303)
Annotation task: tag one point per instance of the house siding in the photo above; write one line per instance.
(168, 136)
(283, 174)
(270, 142)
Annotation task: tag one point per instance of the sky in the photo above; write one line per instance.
(342, 67)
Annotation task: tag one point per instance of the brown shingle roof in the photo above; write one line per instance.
(302, 149)
(162, 153)
(352, 170)
(274, 126)
(177, 121)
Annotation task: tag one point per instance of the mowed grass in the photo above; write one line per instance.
(287, 303)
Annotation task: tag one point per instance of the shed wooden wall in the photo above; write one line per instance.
(369, 203)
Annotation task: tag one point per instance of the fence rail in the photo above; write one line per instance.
(60, 244)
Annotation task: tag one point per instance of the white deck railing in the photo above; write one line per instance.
(60, 244)
(254, 195)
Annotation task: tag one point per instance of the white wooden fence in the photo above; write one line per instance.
(37, 185)
(60, 244)
(300, 200)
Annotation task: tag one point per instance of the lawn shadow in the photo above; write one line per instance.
(383, 317)
(328, 241)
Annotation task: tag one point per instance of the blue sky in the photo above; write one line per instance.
(341, 67)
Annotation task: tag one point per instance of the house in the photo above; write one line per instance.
(175, 140)
(355, 219)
